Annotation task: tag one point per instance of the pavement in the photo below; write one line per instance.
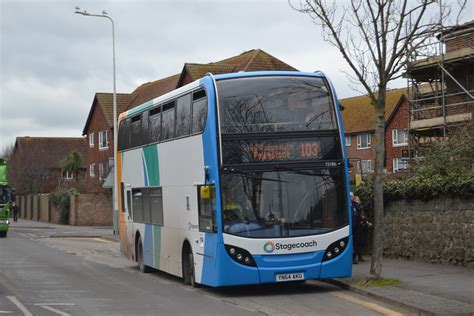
(427, 289)
(57, 231)
(424, 288)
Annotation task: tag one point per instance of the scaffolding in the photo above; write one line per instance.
(440, 78)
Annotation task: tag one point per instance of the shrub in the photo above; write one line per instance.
(61, 200)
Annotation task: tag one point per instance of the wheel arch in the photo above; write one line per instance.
(137, 238)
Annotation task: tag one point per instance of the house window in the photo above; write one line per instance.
(92, 170)
(365, 166)
(101, 171)
(103, 141)
(91, 140)
(363, 141)
(348, 140)
(399, 137)
(67, 175)
(400, 164)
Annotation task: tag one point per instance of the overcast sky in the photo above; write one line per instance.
(53, 61)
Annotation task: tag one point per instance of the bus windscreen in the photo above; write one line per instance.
(275, 104)
(272, 204)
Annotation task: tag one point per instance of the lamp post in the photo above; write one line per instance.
(115, 187)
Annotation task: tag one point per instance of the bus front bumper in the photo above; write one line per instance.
(281, 268)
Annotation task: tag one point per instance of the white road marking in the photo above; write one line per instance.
(55, 304)
(24, 235)
(54, 310)
(18, 304)
(6, 312)
(379, 309)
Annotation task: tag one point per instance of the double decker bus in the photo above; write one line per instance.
(237, 179)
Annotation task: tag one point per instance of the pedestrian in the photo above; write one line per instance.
(15, 211)
(363, 238)
(355, 208)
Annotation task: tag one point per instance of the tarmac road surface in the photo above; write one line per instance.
(42, 275)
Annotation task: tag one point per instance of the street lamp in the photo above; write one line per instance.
(115, 195)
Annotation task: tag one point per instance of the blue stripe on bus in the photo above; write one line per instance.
(148, 245)
(344, 151)
(209, 260)
(209, 140)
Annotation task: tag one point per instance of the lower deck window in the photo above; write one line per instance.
(147, 204)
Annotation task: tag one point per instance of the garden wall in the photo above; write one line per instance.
(436, 231)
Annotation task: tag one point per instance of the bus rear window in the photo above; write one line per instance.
(275, 104)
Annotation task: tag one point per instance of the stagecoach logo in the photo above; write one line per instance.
(269, 247)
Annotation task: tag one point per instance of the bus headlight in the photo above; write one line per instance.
(335, 249)
(240, 255)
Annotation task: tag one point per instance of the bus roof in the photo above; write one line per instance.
(198, 82)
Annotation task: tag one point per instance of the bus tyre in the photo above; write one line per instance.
(189, 277)
(3, 234)
(141, 263)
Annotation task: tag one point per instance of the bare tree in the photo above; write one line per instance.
(7, 150)
(374, 37)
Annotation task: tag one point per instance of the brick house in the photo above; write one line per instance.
(35, 164)
(99, 137)
(359, 124)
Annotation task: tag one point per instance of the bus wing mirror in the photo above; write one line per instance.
(205, 192)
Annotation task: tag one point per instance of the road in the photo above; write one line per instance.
(42, 275)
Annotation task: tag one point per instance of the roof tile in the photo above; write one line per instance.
(49, 151)
(359, 113)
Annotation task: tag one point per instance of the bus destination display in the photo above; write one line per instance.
(245, 151)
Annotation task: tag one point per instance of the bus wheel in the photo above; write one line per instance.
(188, 268)
(3, 234)
(141, 263)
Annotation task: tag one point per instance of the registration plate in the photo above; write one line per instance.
(289, 277)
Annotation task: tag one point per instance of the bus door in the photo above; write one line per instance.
(129, 216)
(207, 220)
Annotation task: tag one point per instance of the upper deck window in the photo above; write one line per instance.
(275, 104)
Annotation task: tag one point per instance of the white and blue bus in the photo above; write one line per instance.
(237, 179)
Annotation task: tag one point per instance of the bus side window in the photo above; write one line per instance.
(137, 203)
(167, 129)
(183, 115)
(122, 200)
(144, 129)
(136, 131)
(199, 111)
(154, 125)
(207, 208)
(128, 133)
(129, 202)
(156, 201)
(121, 136)
(146, 205)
